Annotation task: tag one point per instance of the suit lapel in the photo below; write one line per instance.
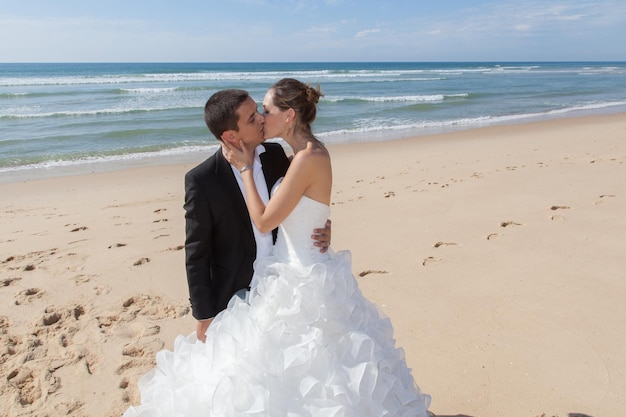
(270, 172)
(231, 188)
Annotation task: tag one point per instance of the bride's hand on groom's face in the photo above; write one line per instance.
(240, 156)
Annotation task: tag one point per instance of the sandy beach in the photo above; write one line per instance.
(499, 254)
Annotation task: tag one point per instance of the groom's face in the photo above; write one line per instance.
(251, 123)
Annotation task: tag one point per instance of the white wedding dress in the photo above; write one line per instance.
(303, 343)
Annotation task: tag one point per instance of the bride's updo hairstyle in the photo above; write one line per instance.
(290, 93)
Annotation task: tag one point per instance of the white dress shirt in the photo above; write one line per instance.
(264, 241)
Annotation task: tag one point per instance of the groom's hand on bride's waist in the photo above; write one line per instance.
(321, 237)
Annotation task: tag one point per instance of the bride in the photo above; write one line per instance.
(304, 342)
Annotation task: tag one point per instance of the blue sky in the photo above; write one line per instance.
(314, 30)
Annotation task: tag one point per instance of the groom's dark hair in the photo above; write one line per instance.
(220, 111)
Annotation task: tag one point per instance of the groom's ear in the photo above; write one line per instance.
(230, 136)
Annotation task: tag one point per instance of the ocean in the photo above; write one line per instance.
(85, 115)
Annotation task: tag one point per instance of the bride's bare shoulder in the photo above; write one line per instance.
(313, 151)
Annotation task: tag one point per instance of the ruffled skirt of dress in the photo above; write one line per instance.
(303, 343)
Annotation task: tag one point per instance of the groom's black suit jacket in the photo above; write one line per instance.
(220, 248)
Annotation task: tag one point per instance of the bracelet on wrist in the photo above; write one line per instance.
(244, 169)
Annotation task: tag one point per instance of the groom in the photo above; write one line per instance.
(221, 241)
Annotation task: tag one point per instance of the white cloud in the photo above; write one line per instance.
(573, 17)
(365, 33)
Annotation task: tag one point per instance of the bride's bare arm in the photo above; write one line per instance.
(309, 172)
(302, 173)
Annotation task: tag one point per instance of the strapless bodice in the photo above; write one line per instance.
(294, 243)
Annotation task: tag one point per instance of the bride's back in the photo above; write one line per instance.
(319, 172)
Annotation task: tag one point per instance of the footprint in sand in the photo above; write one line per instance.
(25, 381)
(34, 358)
(117, 245)
(7, 340)
(143, 348)
(78, 229)
(494, 236)
(106, 323)
(28, 295)
(151, 306)
(603, 198)
(137, 359)
(509, 223)
(9, 259)
(431, 260)
(390, 194)
(59, 316)
(83, 278)
(8, 281)
(141, 261)
(57, 330)
(33, 258)
(138, 354)
(372, 271)
(440, 244)
(557, 216)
